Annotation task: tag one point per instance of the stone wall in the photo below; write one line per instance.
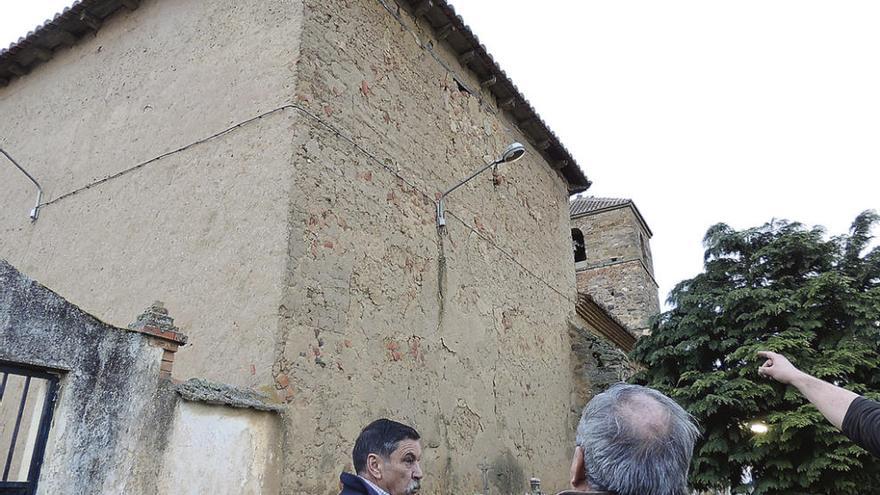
(384, 318)
(618, 271)
(202, 229)
(625, 289)
(613, 235)
(596, 365)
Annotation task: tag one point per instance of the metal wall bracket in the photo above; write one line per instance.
(36, 211)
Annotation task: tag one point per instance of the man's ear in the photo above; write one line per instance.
(578, 471)
(374, 466)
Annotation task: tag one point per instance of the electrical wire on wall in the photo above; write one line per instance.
(341, 135)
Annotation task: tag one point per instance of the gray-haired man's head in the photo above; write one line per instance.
(633, 440)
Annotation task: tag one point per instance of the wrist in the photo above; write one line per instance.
(800, 380)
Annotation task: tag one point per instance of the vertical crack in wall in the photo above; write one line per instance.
(495, 388)
(441, 277)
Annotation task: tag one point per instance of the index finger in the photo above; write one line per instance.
(767, 354)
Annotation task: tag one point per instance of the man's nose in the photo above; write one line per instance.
(417, 473)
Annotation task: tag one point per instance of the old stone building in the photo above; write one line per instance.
(617, 292)
(613, 260)
(270, 171)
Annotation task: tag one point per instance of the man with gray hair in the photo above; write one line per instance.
(633, 440)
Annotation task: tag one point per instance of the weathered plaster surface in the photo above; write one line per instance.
(221, 451)
(203, 229)
(482, 371)
(106, 427)
(290, 257)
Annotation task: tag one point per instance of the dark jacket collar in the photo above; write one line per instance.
(354, 485)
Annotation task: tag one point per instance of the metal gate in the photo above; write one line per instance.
(27, 399)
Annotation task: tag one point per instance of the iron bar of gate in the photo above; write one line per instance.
(43, 431)
(24, 394)
(3, 385)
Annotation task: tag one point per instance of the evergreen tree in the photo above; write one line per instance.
(786, 288)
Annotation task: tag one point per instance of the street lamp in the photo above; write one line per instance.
(513, 153)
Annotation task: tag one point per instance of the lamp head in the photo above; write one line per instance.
(513, 153)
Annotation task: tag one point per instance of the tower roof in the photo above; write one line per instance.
(590, 205)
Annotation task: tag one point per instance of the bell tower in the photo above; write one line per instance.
(612, 253)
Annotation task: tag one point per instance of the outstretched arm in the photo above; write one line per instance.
(831, 400)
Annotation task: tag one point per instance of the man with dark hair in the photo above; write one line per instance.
(386, 459)
(633, 440)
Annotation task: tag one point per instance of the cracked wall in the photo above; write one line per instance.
(109, 419)
(481, 370)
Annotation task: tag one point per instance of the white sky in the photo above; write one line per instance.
(702, 111)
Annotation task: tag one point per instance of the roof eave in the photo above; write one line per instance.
(85, 16)
(63, 30)
(450, 27)
(630, 204)
(604, 322)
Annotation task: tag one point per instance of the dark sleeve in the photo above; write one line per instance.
(862, 424)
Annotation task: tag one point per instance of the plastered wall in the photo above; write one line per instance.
(110, 413)
(204, 229)
(221, 451)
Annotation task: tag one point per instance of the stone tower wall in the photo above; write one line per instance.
(618, 270)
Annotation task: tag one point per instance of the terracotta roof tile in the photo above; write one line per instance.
(579, 206)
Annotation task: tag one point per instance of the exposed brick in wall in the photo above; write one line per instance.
(281, 236)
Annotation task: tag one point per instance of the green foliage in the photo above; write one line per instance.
(780, 287)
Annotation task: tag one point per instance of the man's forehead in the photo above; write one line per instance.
(407, 446)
